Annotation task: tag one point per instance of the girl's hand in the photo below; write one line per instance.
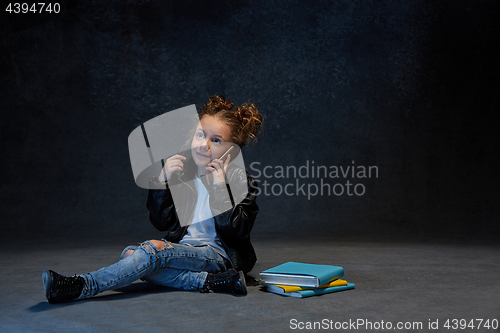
(218, 169)
(172, 164)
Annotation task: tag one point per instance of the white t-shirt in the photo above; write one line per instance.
(203, 233)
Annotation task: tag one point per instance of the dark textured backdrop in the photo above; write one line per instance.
(408, 86)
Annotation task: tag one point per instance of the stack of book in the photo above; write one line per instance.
(303, 280)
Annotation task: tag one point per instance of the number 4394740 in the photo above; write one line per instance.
(40, 7)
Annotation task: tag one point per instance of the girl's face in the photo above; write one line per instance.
(211, 139)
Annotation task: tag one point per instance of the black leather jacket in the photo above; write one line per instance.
(233, 224)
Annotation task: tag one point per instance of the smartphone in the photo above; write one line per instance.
(225, 154)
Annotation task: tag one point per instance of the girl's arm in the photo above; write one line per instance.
(235, 223)
(160, 203)
(161, 206)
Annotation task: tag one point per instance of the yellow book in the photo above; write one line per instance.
(301, 292)
(289, 289)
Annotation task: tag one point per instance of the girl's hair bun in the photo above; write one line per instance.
(251, 121)
(218, 103)
(245, 120)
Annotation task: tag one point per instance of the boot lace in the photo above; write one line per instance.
(70, 285)
(221, 283)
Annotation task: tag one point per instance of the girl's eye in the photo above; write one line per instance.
(200, 135)
(216, 141)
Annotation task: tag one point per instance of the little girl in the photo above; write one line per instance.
(211, 255)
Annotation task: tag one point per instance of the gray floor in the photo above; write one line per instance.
(395, 282)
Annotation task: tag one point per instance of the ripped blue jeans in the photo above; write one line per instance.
(176, 265)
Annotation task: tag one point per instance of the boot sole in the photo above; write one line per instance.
(46, 284)
(244, 284)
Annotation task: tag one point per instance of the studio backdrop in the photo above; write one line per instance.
(377, 114)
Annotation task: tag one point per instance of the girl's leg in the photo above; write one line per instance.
(196, 268)
(119, 274)
(177, 278)
(206, 259)
(59, 288)
(189, 267)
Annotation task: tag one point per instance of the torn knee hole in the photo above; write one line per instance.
(159, 245)
(128, 253)
(147, 248)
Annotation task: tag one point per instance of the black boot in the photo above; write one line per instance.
(229, 281)
(59, 289)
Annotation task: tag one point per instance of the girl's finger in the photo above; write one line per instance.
(178, 162)
(176, 157)
(226, 162)
(176, 168)
(175, 163)
(215, 163)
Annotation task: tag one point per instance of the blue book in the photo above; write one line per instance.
(301, 274)
(311, 292)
